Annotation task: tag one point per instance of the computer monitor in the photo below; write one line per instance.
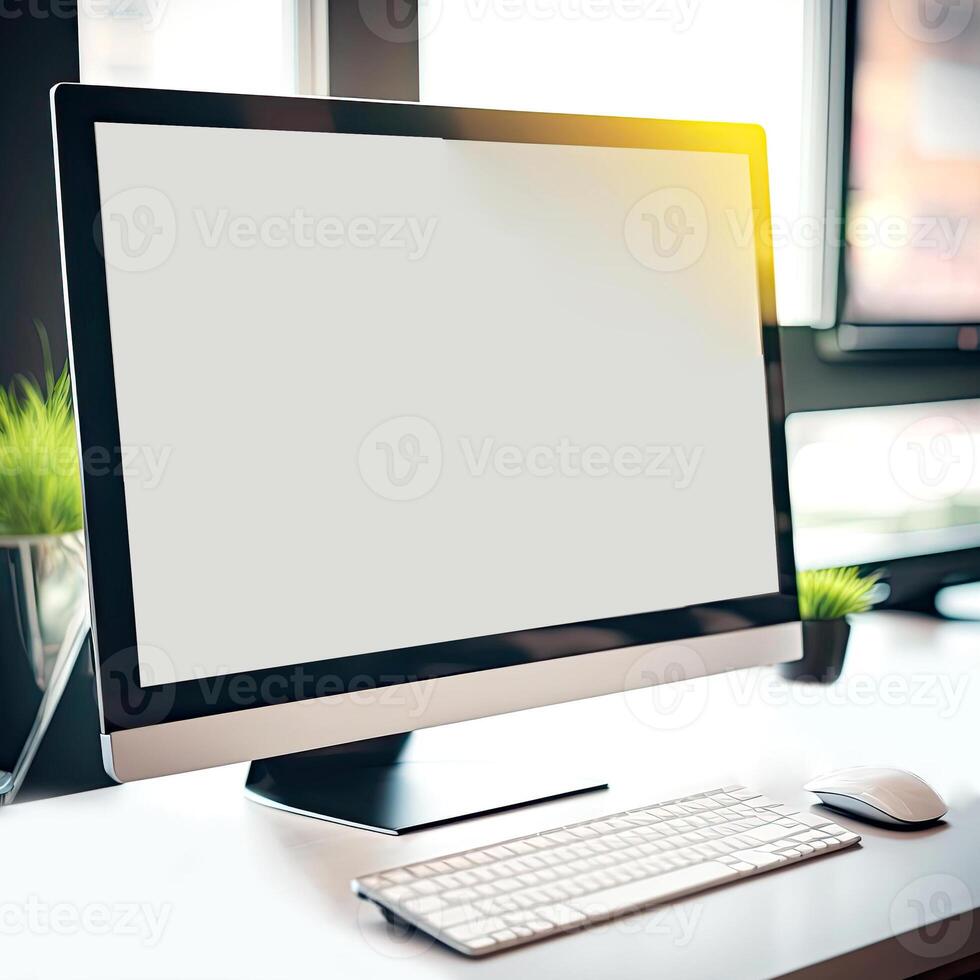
(892, 488)
(468, 411)
(912, 181)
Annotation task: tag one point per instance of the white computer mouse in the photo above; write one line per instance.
(889, 796)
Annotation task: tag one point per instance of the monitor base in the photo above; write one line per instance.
(375, 785)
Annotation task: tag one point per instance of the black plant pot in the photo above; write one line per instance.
(824, 648)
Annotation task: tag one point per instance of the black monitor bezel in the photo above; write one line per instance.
(124, 705)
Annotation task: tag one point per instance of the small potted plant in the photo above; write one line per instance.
(43, 595)
(827, 597)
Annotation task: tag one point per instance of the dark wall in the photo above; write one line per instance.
(374, 49)
(38, 47)
(816, 381)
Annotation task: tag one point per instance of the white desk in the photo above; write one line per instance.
(239, 891)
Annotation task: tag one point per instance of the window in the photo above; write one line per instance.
(211, 45)
(760, 61)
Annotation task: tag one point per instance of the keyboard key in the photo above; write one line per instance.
(439, 867)
(812, 819)
(810, 835)
(458, 895)
(785, 811)
(424, 905)
(398, 877)
(758, 859)
(765, 834)
(659, 889)
(476, 929)
(396, 893)
(538, 926)
(561, 915)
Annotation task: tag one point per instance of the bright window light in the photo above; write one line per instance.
(210, 45)
(745, 61)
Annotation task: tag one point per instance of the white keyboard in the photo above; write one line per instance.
(492, 898)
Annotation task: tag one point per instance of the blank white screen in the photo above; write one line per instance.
(259, 368)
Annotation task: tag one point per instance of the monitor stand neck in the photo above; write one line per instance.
(381, 784)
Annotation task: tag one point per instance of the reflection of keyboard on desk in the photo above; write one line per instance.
(507, 894)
